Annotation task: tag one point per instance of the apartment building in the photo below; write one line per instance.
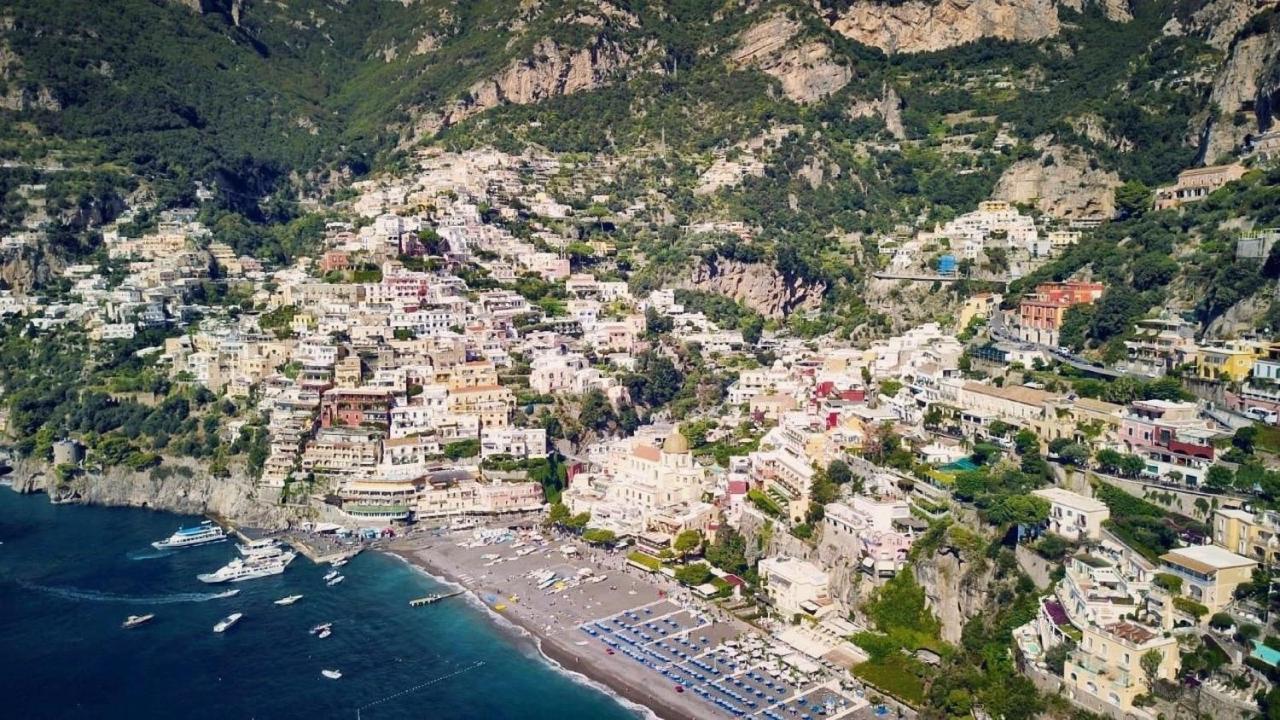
(1073, 515)
(1210, 574)
(1107, 664)
(1040, 314)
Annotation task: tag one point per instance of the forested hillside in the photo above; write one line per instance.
(806, 122)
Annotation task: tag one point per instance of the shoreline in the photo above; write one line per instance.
(630, 691)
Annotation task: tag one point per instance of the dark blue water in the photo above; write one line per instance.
(69, 575)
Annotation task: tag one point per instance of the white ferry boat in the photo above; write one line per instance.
(264, 547)
(205, 532)
(225, 623)
(249, 569)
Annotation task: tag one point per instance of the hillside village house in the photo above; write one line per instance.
(1254, 535)
(1040, 314)
(1210, 574)
(795, 587)
(1196, 184)
(1107, 664)
(1073, 515)
(1232, 362)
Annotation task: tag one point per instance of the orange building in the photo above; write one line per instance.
(1040, 315)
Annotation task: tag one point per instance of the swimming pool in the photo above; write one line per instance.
(1265, 653)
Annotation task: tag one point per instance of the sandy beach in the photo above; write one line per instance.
(563, 617)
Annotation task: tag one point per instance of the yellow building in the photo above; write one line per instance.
(491, 403)
(1230, 362)
(980, 305)
(478, 373)
(1253, 535)
(1210, 574)
(1107, 664)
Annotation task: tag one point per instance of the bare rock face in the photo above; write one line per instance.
(1235, 90)
(24, 269)
(888, 108)
(550, 70)
(806, 71)
(195, 492)
(956, 589)
(925, 25)
(1066, 187)
(759, 286)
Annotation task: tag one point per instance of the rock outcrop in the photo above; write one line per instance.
(24, 269)
(189, 490)
(888, 107)
(957, 588)
(1236, 88)
(927, 25)
(759, 286)
(1061, 183)
(806, 70)
(550, 70)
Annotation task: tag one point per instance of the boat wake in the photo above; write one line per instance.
(148, 554)
(70, 593)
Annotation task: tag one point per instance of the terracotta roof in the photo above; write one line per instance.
(1131, 633)
(647, 452)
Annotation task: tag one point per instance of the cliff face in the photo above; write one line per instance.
(806, 69)
(550, 70)
(927, 25)
(23, 269)
(759, 286)
(1065, 187)
(957, 589)
(235, 497)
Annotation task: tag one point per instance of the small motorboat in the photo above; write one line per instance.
(321, 628)
(324, 633)
(339, 563)
(225, 623)
(336, 580)
(288, 600)
(330, 575)
(134, 621)
(331, 674)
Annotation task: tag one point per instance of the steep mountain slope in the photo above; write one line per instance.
(875, 112)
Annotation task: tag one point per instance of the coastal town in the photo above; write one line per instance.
(712, 517)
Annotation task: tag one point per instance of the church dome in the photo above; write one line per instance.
(676, 443)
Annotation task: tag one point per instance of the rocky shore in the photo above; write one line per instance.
(179, 485)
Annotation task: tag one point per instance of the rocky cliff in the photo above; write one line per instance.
(23, 269)
(806, 68)
(550, 70)
(1061, 182)
(183, 486)
(957, 588)
(927, 25)
(759, 286)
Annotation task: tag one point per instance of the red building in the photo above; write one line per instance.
(335, 260)
(354, 407)
(1040, 315)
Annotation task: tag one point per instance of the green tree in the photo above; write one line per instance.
(599, 536)
(1150, 663)
(686, 542)
(1219, 478)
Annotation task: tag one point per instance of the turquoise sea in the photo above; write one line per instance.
(69, 575)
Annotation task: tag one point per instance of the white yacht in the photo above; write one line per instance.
(289, 600)
(225, 623)
(331, 674)
(336, 580)
(265, 547)
(134, 621)
(249, 568)
(205, 532)
(330, 575)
